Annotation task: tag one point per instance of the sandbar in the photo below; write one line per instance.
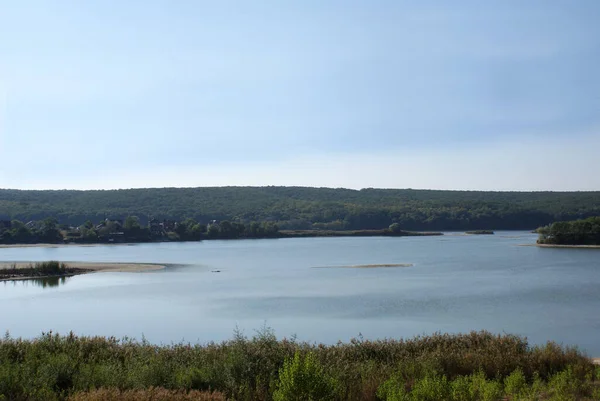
(387, 265)
(95, 266)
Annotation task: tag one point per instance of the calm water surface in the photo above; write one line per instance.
(458, 283)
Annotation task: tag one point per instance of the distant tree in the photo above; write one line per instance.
(89, 235)
(108, 228)
(49, 231)
(21, 235)
(213, 231)
(270, 229)
(182, 228)
(196, 231)
(49, 223)
(132, 223)
(395, 228)
(239, 228)
(226, 230)
(6, 237)
(16, 224)
(254, 230)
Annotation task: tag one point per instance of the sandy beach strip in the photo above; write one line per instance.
(596, 361)
(563, 246)
(95, 266)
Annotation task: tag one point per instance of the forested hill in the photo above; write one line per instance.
(305, 208)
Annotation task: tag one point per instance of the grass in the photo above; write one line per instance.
(154, 394)
(474, 366)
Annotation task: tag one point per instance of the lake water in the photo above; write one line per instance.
(457, 283)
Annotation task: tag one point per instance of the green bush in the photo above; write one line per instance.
(431, 388)
(565, 386)
(484, 389)
(537, 389)
(303, 379)
(393, 389)
(515, 385)
(462, 389)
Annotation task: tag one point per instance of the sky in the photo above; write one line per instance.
(494, 95)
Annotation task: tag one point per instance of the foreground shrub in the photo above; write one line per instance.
(474, 366)
(565, 386)
(431, 388)
(303, 379)
(515, 385)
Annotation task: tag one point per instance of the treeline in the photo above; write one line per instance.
(463, 367)
(301, 208)
(578, 232)
(17, 232)
(131, 230)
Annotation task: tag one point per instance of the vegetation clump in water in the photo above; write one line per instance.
(474, 366)
(40, 269)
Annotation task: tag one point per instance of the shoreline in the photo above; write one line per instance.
(284, 234)
(83, 268)
(44, 245)
(563, 246)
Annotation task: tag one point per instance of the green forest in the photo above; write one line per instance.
(578, 232)
(303, 208)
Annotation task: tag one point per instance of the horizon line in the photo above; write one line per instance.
(297, 186)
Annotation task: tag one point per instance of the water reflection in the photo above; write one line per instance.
(44, 282)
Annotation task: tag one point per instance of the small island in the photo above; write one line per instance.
(577, 233)
(480, 232)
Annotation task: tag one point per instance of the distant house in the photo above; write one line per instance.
(156, 227)
(116, 237)
(169, 225)
(32, 224)
(117, 222)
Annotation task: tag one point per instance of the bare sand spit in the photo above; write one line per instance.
(95, 266)
(66, 245)
(563, 246)
(366, 266)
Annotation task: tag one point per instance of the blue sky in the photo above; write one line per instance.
(495, 95)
